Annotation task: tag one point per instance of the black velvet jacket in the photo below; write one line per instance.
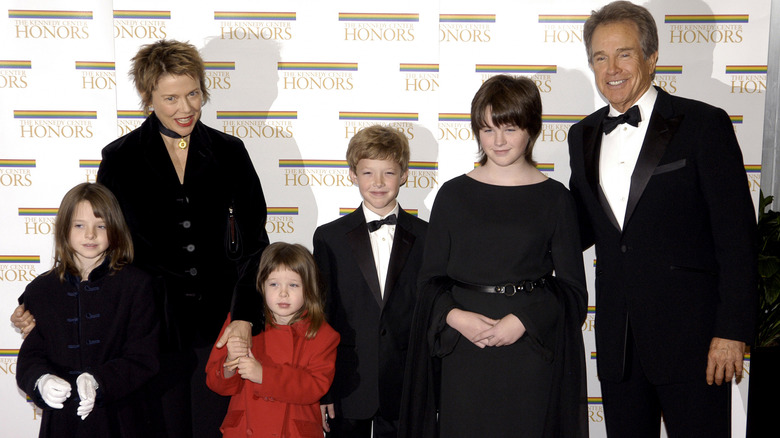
(181, 232)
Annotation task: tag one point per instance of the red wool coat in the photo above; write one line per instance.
(297, 372)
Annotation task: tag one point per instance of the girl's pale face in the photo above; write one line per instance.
(283, 290)
(88, 237)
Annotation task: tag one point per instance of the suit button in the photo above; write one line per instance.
(249, 431)
(623, 248)
(383, 332)
(190, 248)
(192, 271)
(186, 224)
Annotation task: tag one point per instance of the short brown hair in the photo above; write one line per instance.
(296, 258)
(624, 11)
(166, 57)
(511, 101)
(378, 143)
(105, 206)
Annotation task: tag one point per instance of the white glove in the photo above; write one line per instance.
(87, 387)
(53, 389)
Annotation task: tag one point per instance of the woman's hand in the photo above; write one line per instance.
(470, 325)
(23, 320)
(505, 332)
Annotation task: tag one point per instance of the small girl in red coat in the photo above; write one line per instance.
(277, 381)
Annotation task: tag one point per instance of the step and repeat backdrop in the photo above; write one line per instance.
(295, 80)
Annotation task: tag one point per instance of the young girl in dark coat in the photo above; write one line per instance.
(95, 342)
(276, 383)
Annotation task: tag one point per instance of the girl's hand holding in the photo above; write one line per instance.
(505, 332)
(250, 369)
(470, 325)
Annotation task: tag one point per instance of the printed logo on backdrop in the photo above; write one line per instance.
(320, 76)
(277, 26)
(90, 168)
(18, 268)
(595, 409)
(420, 77)
(60, 125)
(355, 121)
(666, 77)
(97, 75)
(218, 75)
(258, 124)
(368, 27)
(590, 319)
(50, 25)
(281, 220)
(542, 75)
(141, 25)
(315, 173)
(16, 172)
(8, 362)
(422, 175)
(698, 29)
(13, 74)
(562, 29)
(128, 120)
(555, 127)
(754, 176)
(38, 221)
(343, 211)
(466, 28)
(747, 79)
(455, 127)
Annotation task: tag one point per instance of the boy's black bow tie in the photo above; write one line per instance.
(375, 225)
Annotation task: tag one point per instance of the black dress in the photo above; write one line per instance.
(488, 235)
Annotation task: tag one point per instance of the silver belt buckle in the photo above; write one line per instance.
(508, 289)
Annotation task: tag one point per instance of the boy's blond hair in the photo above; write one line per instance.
(378, 143)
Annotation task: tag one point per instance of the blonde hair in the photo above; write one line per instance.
(166, 57)
(105, 206)
(378, 142)
(296, 258)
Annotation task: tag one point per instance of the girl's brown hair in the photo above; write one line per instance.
(105, 206)
(296, 258)
(511, 101)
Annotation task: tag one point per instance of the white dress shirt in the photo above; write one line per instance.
(381, 244)
(619, 154)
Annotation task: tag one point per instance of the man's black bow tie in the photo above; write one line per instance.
(375, 225)
(632, 117)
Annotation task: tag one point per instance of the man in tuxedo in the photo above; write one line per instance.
(369, 260)
(662, 193)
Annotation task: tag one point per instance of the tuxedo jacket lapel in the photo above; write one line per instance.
(592, 153)
(663, 125)
(360, 243)
(402, 246)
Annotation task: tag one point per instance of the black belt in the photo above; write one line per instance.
(508, 289)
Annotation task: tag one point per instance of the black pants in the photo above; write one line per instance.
(350, 428)
(189, 408)
(634, 406)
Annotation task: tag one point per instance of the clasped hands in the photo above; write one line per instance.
(56, 390)
(240, 359)
(486, 332)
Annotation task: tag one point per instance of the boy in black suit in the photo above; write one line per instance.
(369, 260)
